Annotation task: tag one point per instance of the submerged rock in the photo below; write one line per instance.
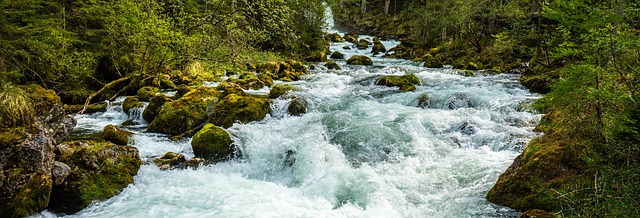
(332, 65)
(118, 136)
(423, 101)
(459, 100)
(169, 160)
(297, 107)
(185, 113)
(27, 148)
(360, 60)
(405, 82)
(100, 170)
(235, 108)
(212, 143)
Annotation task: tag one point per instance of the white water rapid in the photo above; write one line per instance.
(361, 150)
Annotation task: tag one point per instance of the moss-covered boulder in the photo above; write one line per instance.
(92, 108)
(266, 79)
(332, 65)
(336, 37)
(100, 170)
(152, 110)
(346, 47)
(32, 122)
(538, 82)
(170, 160)
(279, 90)
(212, 143)
(118, 136)
(228, 88)
(405, 82)
(363, 44)
(337, 55)
(548, 168)
(250, 83)
(185, 113)
(351, 37)
(235, 108)
(146, 93)
(286, 71)
(378, 47)
(359, 60)
(432, 62)
(131, 102)
(181, 90)
(297, 107)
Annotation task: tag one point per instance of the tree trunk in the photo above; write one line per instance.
(386, 7)
(363, 6)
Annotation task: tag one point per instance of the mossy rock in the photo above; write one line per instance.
(181, 90)
(332, 65)
(433, 62)
(100, 170)
(547, 168)
(336, 37)
(318, 55)
(378, 48)
(289, 70)
(146, 93)
(360, 60)
(405, 82)
(212, 143)
(250, 83)
(297, 107)
(266, 79)
(152, 110)
(536, 213)
(131, 102)
(537, 83)
(346, 47)
(279, 90)
(228, 88)
(423, 101)
(92, 108)
(169, 160)
(417, 60)
(473, 66)
(337, 55)
(185, 113)
(235, 108)
(351, 37)
(118, 136)
(362, 45)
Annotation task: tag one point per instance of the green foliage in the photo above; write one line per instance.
(16, 109)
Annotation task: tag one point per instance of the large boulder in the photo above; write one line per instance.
(405, 82)
(235, 108)
(287, 71)
(378, 47)
(186, 113)
(359, 60)
(351, 37)
(337, 55)
(100, 170)
(335, 37)
(548, 168)
(297, 107)
(332, 65)
(32, 122)
(146, 93)
(112, 133)
(212, 143)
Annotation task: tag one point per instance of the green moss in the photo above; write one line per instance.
(378, 48)
(236, 108)
(185, 113)
(12, 136)
(131, 102)
(360, 60)
(32, 198)
(335, 37)
(337, 55)
(250, 83)
(116, 135)
(92, 108)
(405, 82)
(152, 110)
(146, 93)
(212, 143)
(332, 65)
(279, 90)
(469, 73)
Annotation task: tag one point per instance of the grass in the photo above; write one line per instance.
(16, 109)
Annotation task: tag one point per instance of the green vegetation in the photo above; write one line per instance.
(75, 47)
(212, 143)
(585, 55)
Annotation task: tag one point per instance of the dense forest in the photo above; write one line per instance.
(75, 46)
(583, 55)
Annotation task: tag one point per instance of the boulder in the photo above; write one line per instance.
(235, 108)
(279, 90)
(548, 168)
(194, 163)
(186, 113)
(288, 70)
(360, 60)
(378, 47)
(337, 55)
(100, 170)
(266, 79)
(363, 44)
(536, 213)
(60, 172)
(146, 93)
(346, 47)
(423, 101)
(92, 108)
(212, 143)
(432, 62)
(228, 88)
(118, 136)
(170, 160)
(336, 37)
(152, 110)
(297, 107)
(351, 37)
(332, 65)
(32, 122)
(405, 82)
(251, 83)
(131, 102)
(181, 90)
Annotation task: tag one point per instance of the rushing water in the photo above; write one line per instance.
(361, 150)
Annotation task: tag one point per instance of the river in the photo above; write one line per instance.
(361, 150)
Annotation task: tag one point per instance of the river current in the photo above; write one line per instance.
(361, 150)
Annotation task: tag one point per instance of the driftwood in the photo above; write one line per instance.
(107, 86)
